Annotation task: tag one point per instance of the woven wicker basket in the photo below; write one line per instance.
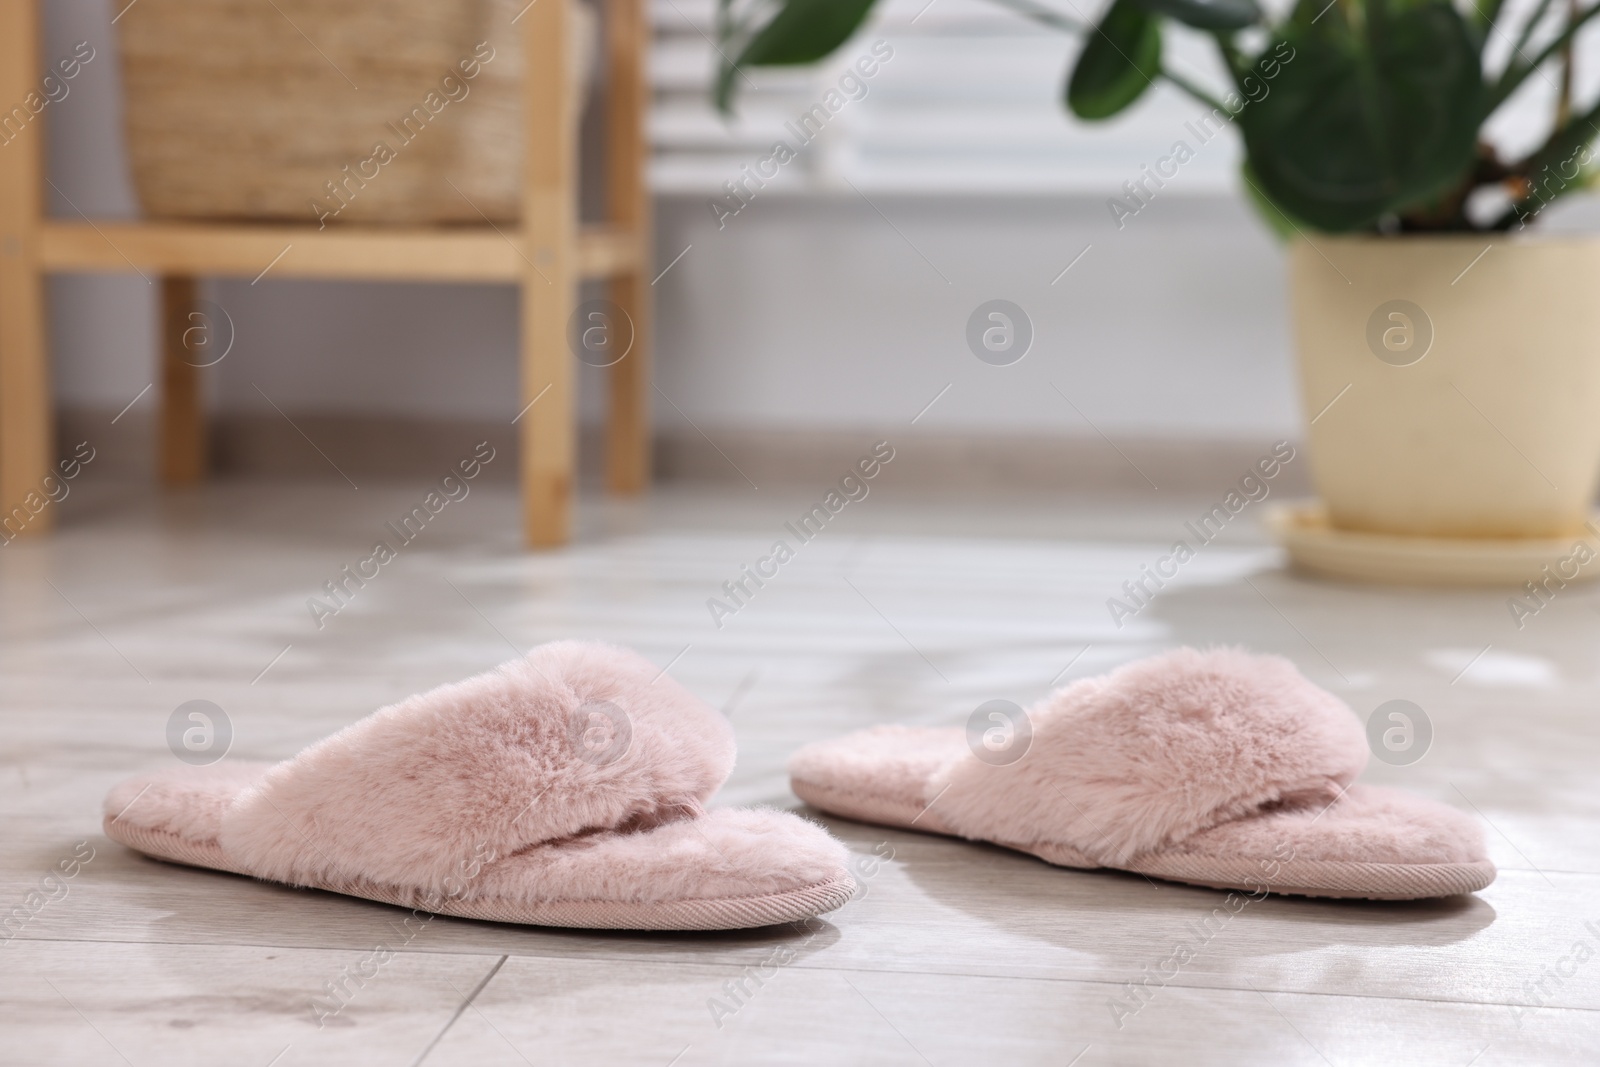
(232, 112)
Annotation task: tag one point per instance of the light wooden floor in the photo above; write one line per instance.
(905, 610)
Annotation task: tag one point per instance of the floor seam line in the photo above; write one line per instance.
(460, 1008)
(722, 964)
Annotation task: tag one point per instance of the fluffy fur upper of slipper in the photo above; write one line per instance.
(573, 737)
(1157, 750)
(1368, 824)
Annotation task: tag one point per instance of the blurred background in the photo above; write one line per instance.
(831, 311)
(833, 305)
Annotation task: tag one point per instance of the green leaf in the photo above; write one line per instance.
(1211, 15)
(805, 31)
(1364, 121)
(802, 31)
(1119, 61)
(722, 92)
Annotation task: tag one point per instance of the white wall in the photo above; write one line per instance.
(815, 312)
(826, 312)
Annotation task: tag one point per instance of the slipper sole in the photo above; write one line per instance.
(733, 913)
(1336, 879)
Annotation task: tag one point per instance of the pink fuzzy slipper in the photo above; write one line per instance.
(565, 788)
(1215, 768)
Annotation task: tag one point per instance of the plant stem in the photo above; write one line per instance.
(1044, 16)
(1194, 90)
(1564, 101)
(1526, 35)
(1516, 74)
(1532, 177)
(1232, 59)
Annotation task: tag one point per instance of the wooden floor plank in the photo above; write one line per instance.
(790, 1015)
(976, 954)
(83, 1003)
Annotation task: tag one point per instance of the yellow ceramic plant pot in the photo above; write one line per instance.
(1451, 384)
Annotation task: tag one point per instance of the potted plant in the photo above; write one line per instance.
(1446, 359)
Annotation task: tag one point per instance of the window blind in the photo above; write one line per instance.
(970, 102)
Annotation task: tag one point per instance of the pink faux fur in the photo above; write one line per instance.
(498, 798)
(1156, 751)
(897, 760)
(726, 853)
(185, 801)
(485, 766)
(1368, 824)
(729, 852)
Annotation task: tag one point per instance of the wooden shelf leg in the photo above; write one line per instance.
(628, 445)
(548, 431)
(26, 419)
(27, 424)
(547, 437)
(183, 431)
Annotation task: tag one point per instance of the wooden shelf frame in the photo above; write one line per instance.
(545, 256)
(247, 251)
